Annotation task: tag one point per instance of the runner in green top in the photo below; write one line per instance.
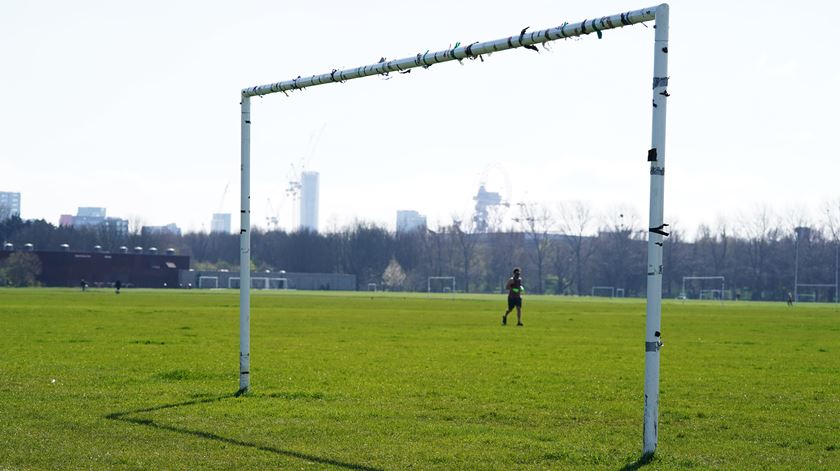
(515, 289)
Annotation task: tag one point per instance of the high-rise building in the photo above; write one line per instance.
(309, 201)
(220, 223)
(410, 220)
(171, 229)
(9, 205)
(90, 212)
(95, 218)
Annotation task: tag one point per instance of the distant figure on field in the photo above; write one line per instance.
(790, 299)
(83, 284)
(117, 286)
(515, 289)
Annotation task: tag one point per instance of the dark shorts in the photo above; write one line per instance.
(514, 301)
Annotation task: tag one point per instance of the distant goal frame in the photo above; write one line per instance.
(429, 283)
(722, 289)
(657, 228)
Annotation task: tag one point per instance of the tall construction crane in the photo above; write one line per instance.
(273, 218)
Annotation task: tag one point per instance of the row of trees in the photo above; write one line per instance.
(562, 250)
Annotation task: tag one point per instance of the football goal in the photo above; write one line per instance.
(208, 281)
(260, 282)
(816, 292)
(655, 161)
(604, 291)
(704, 287)
(440, 284)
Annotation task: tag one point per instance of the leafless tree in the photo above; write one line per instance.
(760, 230)
(618, 232)
(832, 219)
(575, 221)
(536, 221)
(464, 232)
(135, 224)
(713, 244)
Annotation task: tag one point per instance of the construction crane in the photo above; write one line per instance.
(273, 219)
(224, 194)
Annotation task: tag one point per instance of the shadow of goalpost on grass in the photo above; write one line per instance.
(126, 417)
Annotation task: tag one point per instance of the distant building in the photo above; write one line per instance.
(95, 218)
(309, 201)
(410, 220)
(9, 205)
(63, 267)
(65, 220)
(90, 212)
(220, 223)
(161, 230)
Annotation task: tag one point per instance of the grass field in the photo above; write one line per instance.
(145, 380)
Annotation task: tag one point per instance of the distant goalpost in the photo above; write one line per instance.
(813, 291)
(204, 281)
(259, 282)
(445, 289)
(655, 157)
(716, 293)
(603, 291)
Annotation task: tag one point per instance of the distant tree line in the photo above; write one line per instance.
(562, 250)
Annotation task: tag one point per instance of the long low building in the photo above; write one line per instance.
(268, 280)
(141, 270)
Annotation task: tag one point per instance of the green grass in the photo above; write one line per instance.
(145, 380)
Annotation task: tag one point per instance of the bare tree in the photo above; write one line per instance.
(500, 253)
(536, 221)
(760, 231)
(832, 223)
(618, 233)
(714, 245)
(575, 221)
(135, 224)
(464, 232)
(832, 219)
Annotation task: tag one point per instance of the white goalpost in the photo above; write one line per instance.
(604, 291)
(259, 282)
(717, 293)
(204, 281)
(655, 158)
(278, 283)
(450, 287)
(815, 290)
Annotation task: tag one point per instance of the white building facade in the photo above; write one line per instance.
(9, 205)
(309, 188)
(410, 220)
(220, 223)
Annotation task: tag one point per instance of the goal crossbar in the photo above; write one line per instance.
(655, 158)
(441, 278)
(471, 51)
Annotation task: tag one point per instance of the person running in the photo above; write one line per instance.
(117, 286)
(515, 289)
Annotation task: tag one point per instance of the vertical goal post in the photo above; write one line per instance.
(655, 157)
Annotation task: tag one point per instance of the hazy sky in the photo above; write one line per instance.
(134, 106)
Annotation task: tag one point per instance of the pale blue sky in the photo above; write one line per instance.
(134, 106)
